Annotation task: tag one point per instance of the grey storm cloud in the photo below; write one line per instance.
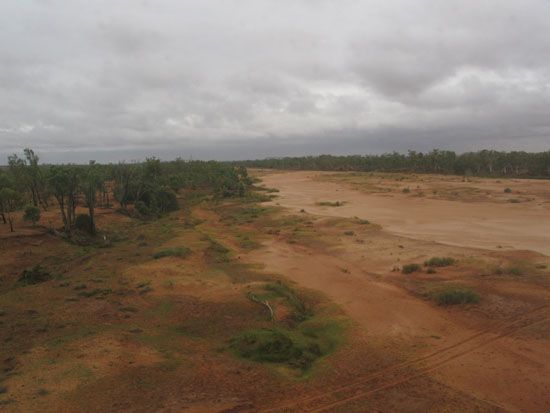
(233, 79)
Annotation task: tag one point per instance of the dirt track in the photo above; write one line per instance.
(469, 224)
(490, 360)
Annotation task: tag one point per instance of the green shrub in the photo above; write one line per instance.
(431, 270)
(83, 223)
(180, 252)
(349, 233)
(440, 262)
(410, 268)
(276, 346)
(507, 190)
(406, 190)
(32, 214)
(453, 296)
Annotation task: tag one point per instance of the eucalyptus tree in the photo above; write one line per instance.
(29, 175)
(91, 182)
(10, 201)
(63, 181)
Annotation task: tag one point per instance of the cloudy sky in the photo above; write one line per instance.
(232, 79)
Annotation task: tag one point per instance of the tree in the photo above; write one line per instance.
(6, 181)
(91, 183)
(28, 175)
(63, 182)
(10, 201)
(32, 214)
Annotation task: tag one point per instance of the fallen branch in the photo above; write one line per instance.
(265, 303)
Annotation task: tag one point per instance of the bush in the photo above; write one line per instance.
(329, 203)
(406, 190)
(410, 268)
(83, 222)
(166, 200)
(507, 190)
(431, 270)
(453, 296)
(180, 252)
(275, 346)
(34, 275)
(440, 262)
(32, 214)
(142, 208)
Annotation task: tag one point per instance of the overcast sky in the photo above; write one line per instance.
(233, 79)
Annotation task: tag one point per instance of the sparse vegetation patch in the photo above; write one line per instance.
(410, 268)
(440, 262)
(330, 203)
(456, 295)
(180, 252)
(34, 275)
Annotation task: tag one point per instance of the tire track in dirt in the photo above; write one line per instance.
(354, 390)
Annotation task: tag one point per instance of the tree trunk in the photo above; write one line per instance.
(91, 201)
(11, 222)
(92, 218)
(3, 217)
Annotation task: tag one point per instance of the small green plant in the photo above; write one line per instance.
(507, 190)
(349, 233)
(410, 268)
(406, 190)
(454, 296)
(440, 262)
(431, 270)
(180, 252)
(32, 214)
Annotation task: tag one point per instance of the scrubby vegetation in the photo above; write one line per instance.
(456, 295)
(440, 262)
(297, 349)
(31, 214)
(330, 203)
(180, 252)
(410, 268)
(34, 275)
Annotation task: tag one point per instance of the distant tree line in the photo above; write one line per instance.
(149, 187)
(483, 163)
